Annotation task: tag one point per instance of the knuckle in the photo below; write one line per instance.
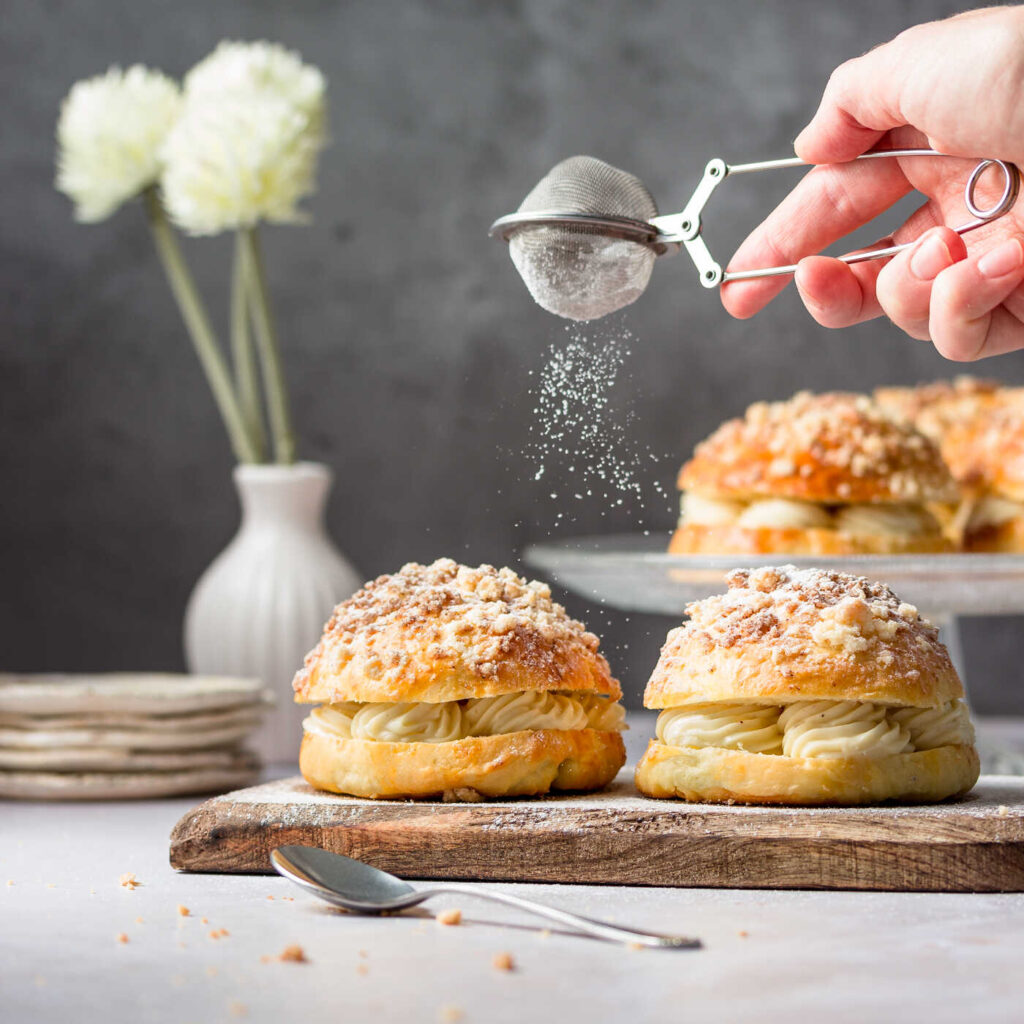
(848, 204)
(840, 77)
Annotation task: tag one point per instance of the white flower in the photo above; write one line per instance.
(237, 161)
(109, 137)
(246, 147)
(242, 69)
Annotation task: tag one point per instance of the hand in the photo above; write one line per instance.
(956, 86)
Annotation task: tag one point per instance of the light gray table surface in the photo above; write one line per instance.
(769, 955)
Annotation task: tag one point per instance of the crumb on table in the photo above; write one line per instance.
(743, 933)
(129, 881)
(449, 1014)
(122, 938)
(183, 911)
(451, 916)
(503, 962)
(219, 933)
(293, 954)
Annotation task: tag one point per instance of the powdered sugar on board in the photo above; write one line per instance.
(991, 793)
(619, 837)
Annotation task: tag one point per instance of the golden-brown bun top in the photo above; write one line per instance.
(832, 448)
(986, 450)
(781, 634)
(936, 406)
(447, 632)
(956, 414)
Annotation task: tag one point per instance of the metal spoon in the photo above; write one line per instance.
(357, 886)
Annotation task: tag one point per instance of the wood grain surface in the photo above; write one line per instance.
(975, 844)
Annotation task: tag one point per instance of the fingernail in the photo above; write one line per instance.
(1002, 260)
(930, 259)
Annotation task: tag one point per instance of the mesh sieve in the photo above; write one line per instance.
(577, 271)
(585, 239)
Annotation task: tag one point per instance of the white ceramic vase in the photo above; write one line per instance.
(262, 604)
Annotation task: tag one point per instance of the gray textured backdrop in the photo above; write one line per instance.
(410, 339)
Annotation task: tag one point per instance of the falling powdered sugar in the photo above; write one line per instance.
(577, 426)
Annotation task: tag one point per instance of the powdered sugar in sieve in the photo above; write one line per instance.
(577, 271)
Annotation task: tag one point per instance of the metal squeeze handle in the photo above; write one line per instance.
(685, 228)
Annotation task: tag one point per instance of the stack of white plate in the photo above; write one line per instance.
(108, 737)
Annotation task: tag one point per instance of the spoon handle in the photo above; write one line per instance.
(599, 929)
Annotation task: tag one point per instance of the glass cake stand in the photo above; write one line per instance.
(634, 573)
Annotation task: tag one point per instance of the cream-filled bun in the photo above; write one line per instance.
(990, 449)
(801, 686)
(827, 474)
(448, 681)
(979, 427)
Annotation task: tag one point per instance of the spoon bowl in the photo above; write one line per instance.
(344, 881)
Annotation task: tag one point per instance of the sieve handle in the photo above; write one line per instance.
(685, 228)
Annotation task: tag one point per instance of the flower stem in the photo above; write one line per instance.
(198, 325)
(242, 356)
(269, 350)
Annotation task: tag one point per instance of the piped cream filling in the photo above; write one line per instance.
(420, 722)
(789, 514)
(750, 727)
(816, 728)
(993, 511)
(844, 728)
(784, 514)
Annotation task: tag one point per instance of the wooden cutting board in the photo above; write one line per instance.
(619, 837)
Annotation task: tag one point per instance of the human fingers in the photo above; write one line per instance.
(828, 203)
(936, 76)
(859, 105)
(904, 285)
(839, 294)
(967, 318)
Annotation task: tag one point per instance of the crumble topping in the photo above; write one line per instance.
(476, 616)
(778, 441)
(935, 406)
(972, 420)
(795, 608)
